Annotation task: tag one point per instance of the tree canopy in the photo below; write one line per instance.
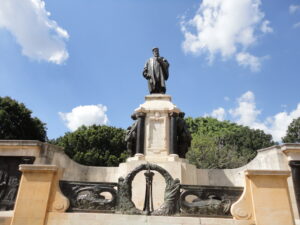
(222, 144)
(95, 145)
(16, 122)
(293, 132)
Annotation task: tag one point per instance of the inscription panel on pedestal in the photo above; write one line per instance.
(156, 133)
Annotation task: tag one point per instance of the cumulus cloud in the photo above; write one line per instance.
(219, 113)
(85, 115)
(246, 113)
(294, 8)
(265, 27)
(247, 60)
(40, 37)
(224, 27)
(278, 124)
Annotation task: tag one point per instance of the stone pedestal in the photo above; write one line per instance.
(157, 110)
(38, 194)
(158, 116)
(265, 200)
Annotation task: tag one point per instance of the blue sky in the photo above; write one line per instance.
(80, 62)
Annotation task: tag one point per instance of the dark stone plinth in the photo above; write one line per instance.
(140, 133)
(295, 168)
(173, 133)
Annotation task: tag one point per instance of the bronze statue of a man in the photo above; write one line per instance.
(156, 71)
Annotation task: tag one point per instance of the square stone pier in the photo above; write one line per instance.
(155, 116)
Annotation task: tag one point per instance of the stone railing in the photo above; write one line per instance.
(180, 200)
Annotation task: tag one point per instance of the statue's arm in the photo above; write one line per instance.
(166, 62)
(145, 71)
(165, 65)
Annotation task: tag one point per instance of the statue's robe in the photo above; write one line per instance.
(156, 73)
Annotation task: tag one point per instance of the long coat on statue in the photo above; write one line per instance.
(156, 71)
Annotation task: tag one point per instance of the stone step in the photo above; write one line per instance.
(5, 217)
(118, 219)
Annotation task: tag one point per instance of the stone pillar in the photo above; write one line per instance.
(295, 168)
(265, 200)
(38, 194)
(140, 140)
(173, 133)
(292, 153)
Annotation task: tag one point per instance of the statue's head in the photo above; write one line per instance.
(155, 52)
(181, 115)
(134, 116)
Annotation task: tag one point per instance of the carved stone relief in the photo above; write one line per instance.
(10, 178)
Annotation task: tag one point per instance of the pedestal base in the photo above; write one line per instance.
(156, 159)
(157, 109)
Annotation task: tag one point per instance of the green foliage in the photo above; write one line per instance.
(95, 145)
(293, 132)
(16, 122)
(222, 144)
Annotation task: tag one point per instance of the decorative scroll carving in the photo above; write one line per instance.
(89, 196)
(58, 202)
(10, 179)
(241, 209)
(212, 201)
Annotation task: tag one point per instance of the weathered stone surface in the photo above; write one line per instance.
(10, 179)
(266, 199)
(271, 158)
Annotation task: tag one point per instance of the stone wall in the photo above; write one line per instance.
(271, 158)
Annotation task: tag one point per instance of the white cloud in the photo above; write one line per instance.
(247, 60)
(85, 115)
(39, 37)
(247, 114)
(278, 124)
(219, 113)
(226, 98)
(265, 27)
(294, 8)
(224, 27)
(296, 25)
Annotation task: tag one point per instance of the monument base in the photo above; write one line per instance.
(157, 127)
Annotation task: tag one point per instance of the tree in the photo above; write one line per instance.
(95, 145)
(16, 122)
(222, 144)
(293, 132)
